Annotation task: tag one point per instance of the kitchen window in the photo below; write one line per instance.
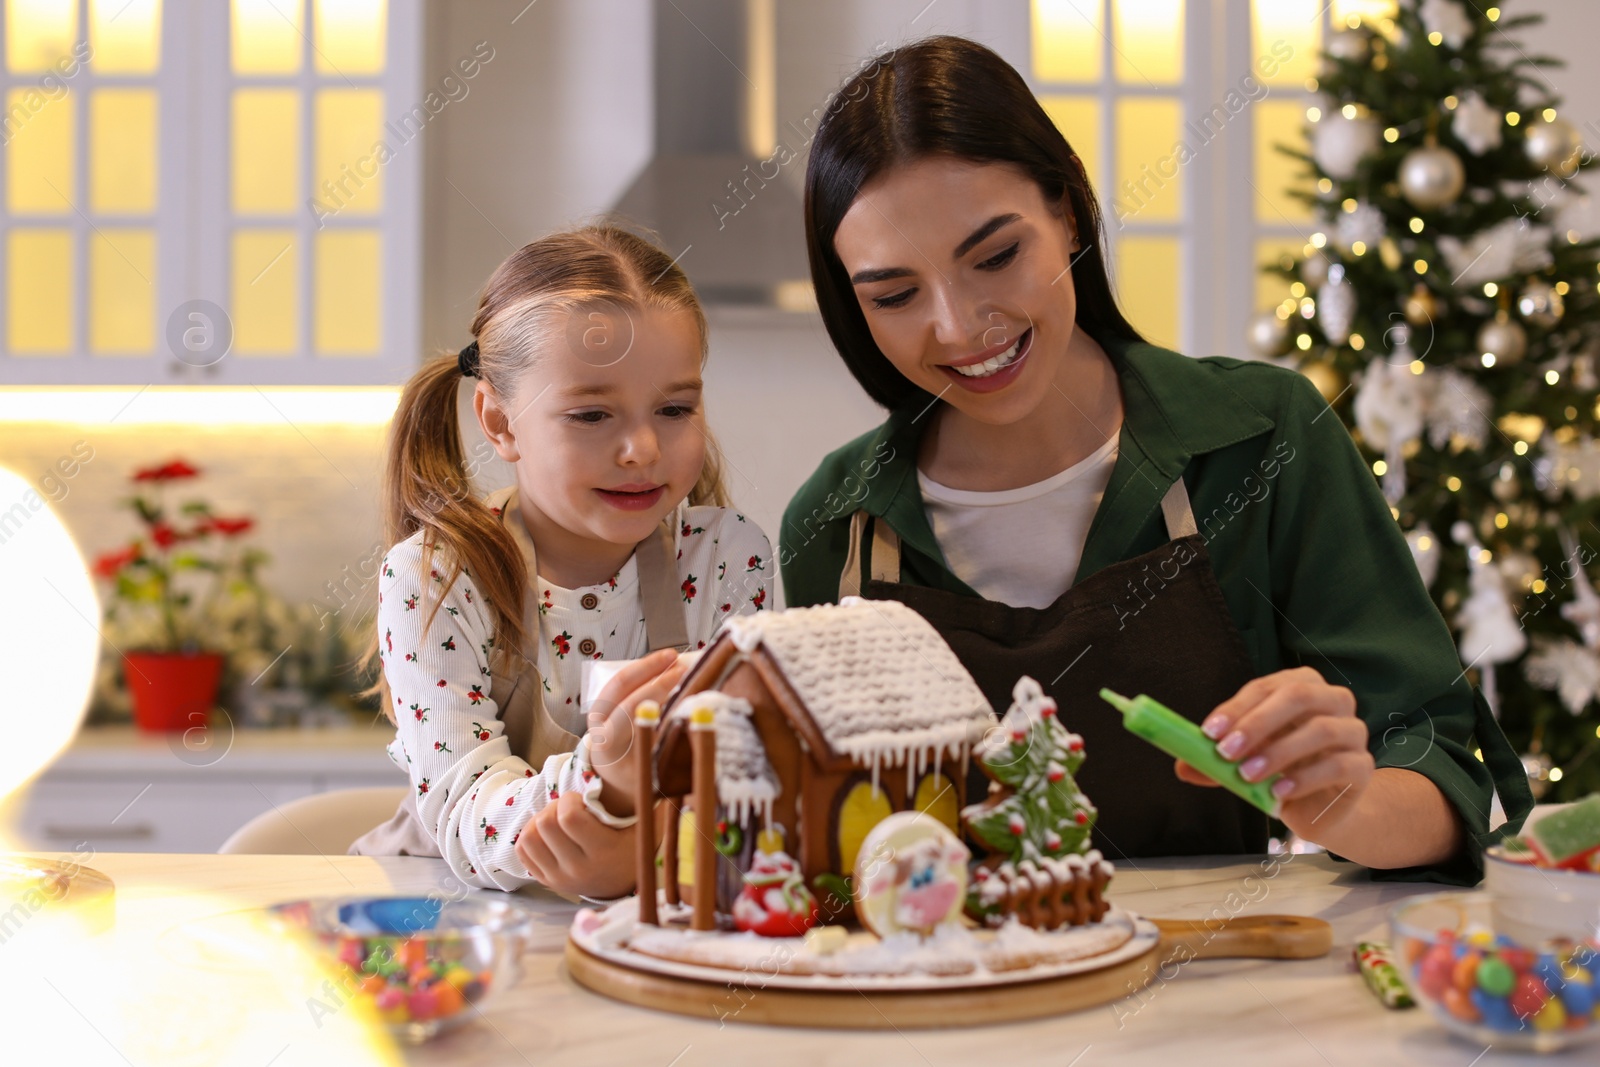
(218, 192)
(1174, 107)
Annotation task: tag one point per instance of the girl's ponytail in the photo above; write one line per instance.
(427, 487)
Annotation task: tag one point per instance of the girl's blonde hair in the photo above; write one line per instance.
(427, 485)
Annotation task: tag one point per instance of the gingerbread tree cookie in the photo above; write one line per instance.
(1035, 821)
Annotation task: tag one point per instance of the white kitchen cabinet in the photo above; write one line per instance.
(197, 192)
(116, 790)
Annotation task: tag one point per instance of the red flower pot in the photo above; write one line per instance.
(172, 690)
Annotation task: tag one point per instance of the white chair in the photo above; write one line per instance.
(323, 824)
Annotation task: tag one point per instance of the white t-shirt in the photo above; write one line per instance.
(1020, 546)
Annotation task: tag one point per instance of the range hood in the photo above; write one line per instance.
(717, 190)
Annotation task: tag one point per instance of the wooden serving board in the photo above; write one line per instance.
(742, 997)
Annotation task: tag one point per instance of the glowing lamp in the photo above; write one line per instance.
(49, 633)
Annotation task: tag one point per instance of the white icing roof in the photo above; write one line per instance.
(745, 781)
(879, 681)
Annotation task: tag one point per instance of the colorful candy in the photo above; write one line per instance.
(1382, 977)
(1569, 837)
(405, 980)
(1488, 981)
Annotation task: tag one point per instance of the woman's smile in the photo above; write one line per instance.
(994, 368)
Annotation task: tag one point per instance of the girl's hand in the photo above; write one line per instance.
(572, 852)
(611, 723)
(1295, 724)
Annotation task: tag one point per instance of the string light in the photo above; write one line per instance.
(1512, 118)
(1391, 135)
(1490, 288)
(1488, 359)
(1453, 484)
(1318, 240)
(1420, 266)
(1380, 468)
(1314, 114)
(1348, 111)
(1552, 377)
(1357, 342)
(1416, 225)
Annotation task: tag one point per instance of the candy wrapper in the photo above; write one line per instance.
(1381, 975)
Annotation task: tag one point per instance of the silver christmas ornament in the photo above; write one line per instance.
(1540, 304)
(1340, 143)
(1537, 766)
(1448, 19)
(1336, 306)
(1554, 145)
(1269, 335)
(1314, 270)
(1349, 45)
(1431, 177)
(1364, 225)
(1425, 551)
(1583, 372)
(1504, 338)
(1476, 124)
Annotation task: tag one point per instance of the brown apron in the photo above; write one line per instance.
(1156, 624)
(534, 730)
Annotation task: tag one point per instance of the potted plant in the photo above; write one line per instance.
(171, 587)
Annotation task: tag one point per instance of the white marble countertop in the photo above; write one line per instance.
(1211, 1012)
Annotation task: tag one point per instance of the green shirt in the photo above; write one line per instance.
(1314, 569)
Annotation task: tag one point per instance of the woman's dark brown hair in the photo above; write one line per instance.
(939, 96)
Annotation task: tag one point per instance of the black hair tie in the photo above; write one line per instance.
(467, 360)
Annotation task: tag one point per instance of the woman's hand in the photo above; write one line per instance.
(611, 723)
(1293, 723)
(572, 852)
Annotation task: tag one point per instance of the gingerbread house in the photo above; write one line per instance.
(825, 721)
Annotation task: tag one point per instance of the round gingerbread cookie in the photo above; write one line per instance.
(910, 875)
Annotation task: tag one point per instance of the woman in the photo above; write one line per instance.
(1036, 489)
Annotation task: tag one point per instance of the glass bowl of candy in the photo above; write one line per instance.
(422, 965)
(1539, 997)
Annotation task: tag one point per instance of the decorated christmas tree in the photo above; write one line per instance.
(1448, 310)
(1034, 810)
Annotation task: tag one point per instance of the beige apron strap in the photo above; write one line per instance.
(884, 558)
(850, 576)
(1175, 508)
(660, 592)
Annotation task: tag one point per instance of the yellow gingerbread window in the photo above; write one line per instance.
(862, 808)
(936, 795)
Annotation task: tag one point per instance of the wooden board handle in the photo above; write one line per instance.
(1273, 937)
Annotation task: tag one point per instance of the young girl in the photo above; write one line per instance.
(613, 541)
